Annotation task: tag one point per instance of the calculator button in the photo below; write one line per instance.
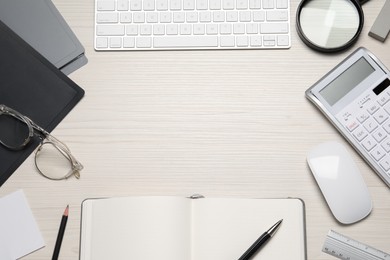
(379, 135)
(381, 116)
(363, 116)
(384, 99)
(386, 145)
(372, 108)
(387, 108)
(360, 133)
(370, 143)
(386, 126)
(385, 163)
(378, 153)
(370, 125)
(352, 125)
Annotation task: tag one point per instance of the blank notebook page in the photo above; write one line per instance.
(225, 229)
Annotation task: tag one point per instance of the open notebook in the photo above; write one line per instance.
(174, 228)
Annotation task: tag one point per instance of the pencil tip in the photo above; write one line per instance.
(66, 212)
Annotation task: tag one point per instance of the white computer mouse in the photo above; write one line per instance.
(340, 181)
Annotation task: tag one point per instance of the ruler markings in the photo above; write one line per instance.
(346, 248)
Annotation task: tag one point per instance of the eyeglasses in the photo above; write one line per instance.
(53, 158)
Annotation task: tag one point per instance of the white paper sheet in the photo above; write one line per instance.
(19, 233)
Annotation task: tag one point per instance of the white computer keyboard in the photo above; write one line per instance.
(192, 24)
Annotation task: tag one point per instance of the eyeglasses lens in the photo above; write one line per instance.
(52, 163)
(13, 131)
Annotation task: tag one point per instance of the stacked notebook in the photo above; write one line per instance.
(42, 26)
(32, 85)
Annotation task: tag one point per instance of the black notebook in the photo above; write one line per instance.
(34, 87)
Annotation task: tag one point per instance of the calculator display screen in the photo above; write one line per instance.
(346, 81)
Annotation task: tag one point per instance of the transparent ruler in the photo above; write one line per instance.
(347, 248)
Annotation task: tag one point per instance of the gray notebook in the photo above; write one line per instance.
(40, 24)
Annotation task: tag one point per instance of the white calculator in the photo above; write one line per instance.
(355, 97)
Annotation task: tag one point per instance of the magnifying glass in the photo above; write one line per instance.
(330, 25)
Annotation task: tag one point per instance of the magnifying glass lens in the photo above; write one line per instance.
(329, 23)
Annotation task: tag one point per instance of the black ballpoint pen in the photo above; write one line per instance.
(260, 241)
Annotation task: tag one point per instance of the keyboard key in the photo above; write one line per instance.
(201, 4)
(228, 4)
(151, 17)
(106, 5)
(158, 29)
(239, 28)
(269, 40)
(218, 16)
(179, 17)
(282, 4)
(145, 29)
(274, 28)
(116, 42)
(232, 16)
(242, 4)
(144, 42)
(128, 42)
(242, 41)
(107, 18)
(185, 29)
(252, 28)
(212, 29)
(165, 17)
(189, 4)
(254, 4)
(122, 5)
(172, 29)
(205, 17)
(199, 29)
(110, 30)
(268, 4)
(175, 5)
(148, 5)
(132, 29)
(135, 5)
(215, 4)
(259, 16)
(255, 41)
(139, 17)
(126, 17)
(279, 15)
(192, 17)
(186, 41)
(245, 16)
(102, 42)
(283, 40)
(227, 41)
(162, 5)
